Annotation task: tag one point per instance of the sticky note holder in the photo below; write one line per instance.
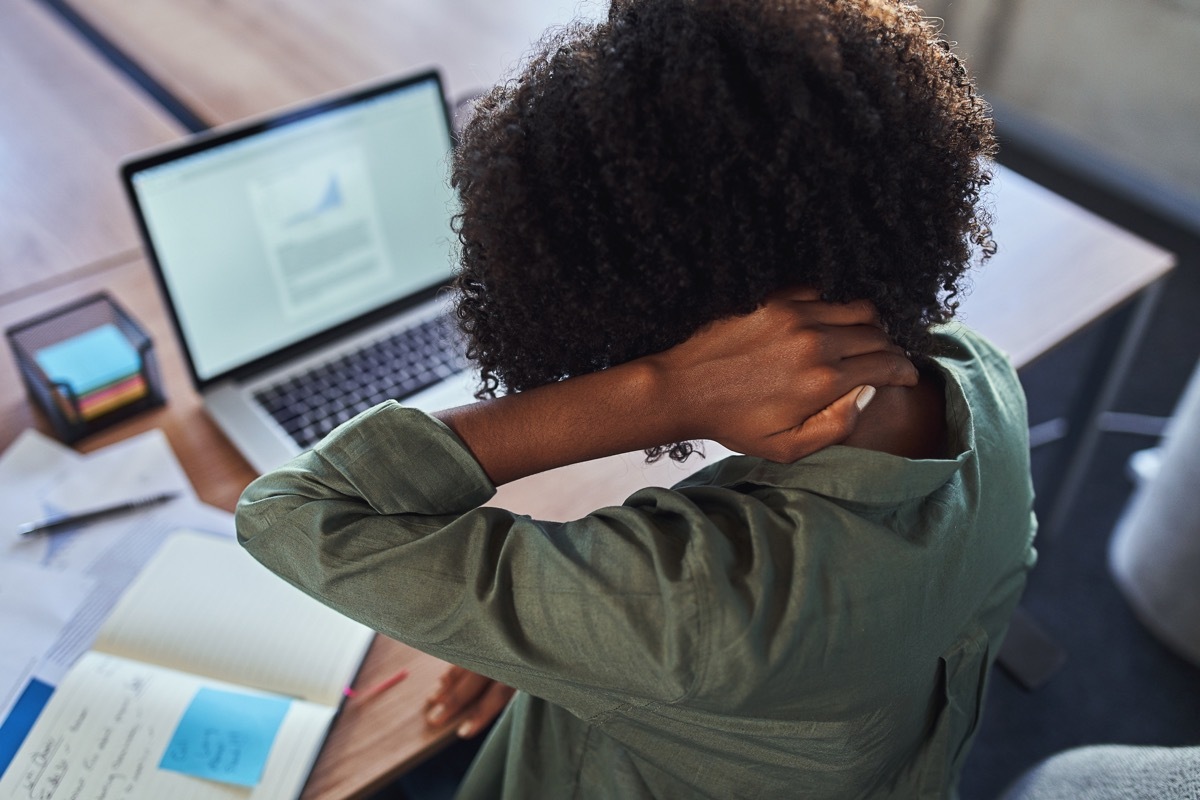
(86, 365)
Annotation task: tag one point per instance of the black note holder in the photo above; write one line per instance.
(86, 365)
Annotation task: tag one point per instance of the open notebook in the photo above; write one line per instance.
(204, 637)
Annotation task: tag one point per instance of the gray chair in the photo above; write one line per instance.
(1154, 554)
(1113, 772)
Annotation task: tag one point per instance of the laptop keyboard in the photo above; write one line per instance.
(312, 404)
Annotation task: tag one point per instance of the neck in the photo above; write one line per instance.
(905, 421)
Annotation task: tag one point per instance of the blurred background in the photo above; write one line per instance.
(1100, 101)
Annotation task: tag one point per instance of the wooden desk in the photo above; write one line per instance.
(65, 121)
(234, 60)
(1059, 268)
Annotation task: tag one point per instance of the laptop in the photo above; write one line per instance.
(303, 258)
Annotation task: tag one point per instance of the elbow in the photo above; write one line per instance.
(262, 504)
(297, 498)
(249, 518)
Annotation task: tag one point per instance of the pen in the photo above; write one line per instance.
(370, 692)
(59, 521)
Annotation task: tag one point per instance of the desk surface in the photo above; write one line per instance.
(1058, 268)
(65, 122)
(303, 48)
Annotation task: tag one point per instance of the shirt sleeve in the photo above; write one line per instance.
(384, 522)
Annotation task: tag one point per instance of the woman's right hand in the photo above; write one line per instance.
(783, 381)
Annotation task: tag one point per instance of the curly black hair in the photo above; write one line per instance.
(678, 162)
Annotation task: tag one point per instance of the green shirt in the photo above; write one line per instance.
(817, 629)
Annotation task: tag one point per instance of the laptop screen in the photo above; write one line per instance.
(266, 236)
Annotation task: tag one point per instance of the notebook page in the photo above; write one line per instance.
(108, 724)
(205, 606)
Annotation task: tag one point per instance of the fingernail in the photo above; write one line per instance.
(465, 730)
(865, 397)
(437, 713)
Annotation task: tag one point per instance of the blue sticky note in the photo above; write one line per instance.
(90, 360)
(225, 736)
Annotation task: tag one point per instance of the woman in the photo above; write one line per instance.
(720, 219)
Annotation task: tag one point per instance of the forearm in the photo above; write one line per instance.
(591, 416)
(780, 383)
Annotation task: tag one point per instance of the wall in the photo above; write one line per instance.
(1120, 76)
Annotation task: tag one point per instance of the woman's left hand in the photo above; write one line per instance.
(478, 699)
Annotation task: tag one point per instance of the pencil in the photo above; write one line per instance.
(366, 694)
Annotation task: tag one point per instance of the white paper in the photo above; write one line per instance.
(205, 606)
(138, 467)
(40, 477)
(27, 470)
(112, 549)
(35, 606)
(111, 554)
